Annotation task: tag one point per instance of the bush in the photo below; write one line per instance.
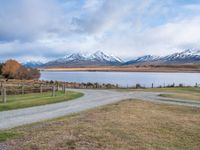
(21, 73)
(33, 73)
(14, 70)
(10, 68)
(1, 66)
(138, 85)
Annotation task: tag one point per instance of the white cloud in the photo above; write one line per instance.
(37, 28)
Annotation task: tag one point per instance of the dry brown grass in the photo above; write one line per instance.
(131, 68)
(129, 124)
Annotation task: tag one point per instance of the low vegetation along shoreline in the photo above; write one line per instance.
(193, 68)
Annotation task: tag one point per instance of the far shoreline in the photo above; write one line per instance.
(194, 68)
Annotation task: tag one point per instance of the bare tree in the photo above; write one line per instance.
(33, 73)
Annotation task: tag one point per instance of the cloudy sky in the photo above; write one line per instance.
(47, 29)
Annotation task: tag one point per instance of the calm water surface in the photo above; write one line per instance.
(125, 78)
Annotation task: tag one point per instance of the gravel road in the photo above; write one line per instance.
(91, 99)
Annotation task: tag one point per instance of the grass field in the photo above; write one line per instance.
(190, 90)
(187, 96)
(36, 99)
(129, 124)
(180, 93)
(188, 93)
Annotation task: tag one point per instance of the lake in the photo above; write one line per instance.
(125, 78)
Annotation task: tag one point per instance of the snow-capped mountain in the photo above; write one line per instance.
(86, 59)
(32, 64)
(187, 56)
(142, 59)
(99, 58)
(104, 57)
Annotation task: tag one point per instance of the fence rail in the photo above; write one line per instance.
(19, 87)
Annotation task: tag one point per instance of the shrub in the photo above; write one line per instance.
(14, 70)
(10, 68)
(33, 73)
(1, 66)
(138, 85)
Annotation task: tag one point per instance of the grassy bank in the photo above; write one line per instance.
(186, 96)
(188, 93)
(129, 124)
(189, 90)
(36, 99)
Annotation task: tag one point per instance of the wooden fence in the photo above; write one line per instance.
(19, 87)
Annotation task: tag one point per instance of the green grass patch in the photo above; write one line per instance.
(5, 135)
(185, 93)
(37, 99)
(175, 89)
(185, 96)
(171, 89)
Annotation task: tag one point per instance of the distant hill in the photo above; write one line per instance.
(184, 57)
(85, 59)
(33, 64)
(101, 59)
(142, 59)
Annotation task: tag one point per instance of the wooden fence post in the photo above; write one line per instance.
(65, 91)
(57, 86)
(22, 88)
(40, 88)
(53, 91)
(62, 87)
(4, 95)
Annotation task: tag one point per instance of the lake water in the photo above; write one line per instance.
(125, 78)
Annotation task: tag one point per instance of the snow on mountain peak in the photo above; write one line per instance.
(87, 59)
(191, 52)
(100, 58)
(98, 55)
(147, 58)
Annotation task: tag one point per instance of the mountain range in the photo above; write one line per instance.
(99, 58)
(85, 59)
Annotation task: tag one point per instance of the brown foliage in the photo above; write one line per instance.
(10, 68)
(14, 70)
(33, 74)
(21, 73)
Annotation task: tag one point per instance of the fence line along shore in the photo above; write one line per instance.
(21, 87)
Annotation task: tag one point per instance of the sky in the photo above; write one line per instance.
(41, 30)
